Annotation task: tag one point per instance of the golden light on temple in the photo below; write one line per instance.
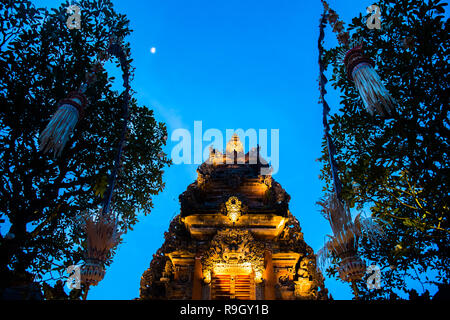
(235, 144)
(233, 209)
(232, 268)
(207, 276)
(235, 238)
(258, 276)
(282, 221)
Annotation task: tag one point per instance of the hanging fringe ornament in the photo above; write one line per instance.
(102, 236)
(343, 244)
(373, 93)
(360, 69)
(60, 127)
(70, 110)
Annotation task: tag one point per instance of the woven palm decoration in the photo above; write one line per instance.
(343, 243)
(102, 236)
(61, 125)
(102, 230)
(70, 110)
(360, 69)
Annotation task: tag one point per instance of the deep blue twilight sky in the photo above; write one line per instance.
(230, 64)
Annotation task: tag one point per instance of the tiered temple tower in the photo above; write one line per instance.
(235, 238)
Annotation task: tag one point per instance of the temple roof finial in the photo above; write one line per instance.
(235, 144)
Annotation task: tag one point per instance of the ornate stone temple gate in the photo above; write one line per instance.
(235, 238)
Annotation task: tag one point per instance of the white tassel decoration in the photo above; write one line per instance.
(60, 127)
(375, 96)
(372, 91)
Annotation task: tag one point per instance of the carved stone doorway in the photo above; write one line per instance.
(232, 286)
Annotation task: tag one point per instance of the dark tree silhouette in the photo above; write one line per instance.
(42, 198)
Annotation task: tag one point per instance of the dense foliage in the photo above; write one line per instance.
(398, 167)
(42, 198)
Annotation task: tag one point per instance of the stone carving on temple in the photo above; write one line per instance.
(233, 248)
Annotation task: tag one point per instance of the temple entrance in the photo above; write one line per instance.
(232, 286)
(233, 281)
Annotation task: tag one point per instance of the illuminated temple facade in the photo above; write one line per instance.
(234, 238)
